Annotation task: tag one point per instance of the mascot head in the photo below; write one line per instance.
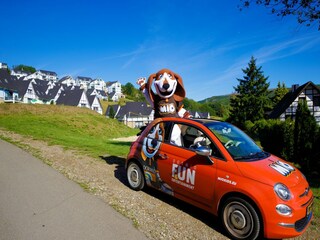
(167, 84)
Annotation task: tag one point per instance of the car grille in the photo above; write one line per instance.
(302, 223)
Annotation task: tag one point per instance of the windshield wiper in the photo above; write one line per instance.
(253, 156)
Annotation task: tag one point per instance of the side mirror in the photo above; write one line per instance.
(204, 151)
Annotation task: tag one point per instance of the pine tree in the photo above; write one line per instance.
(305, 132)
(279, 93)
(111, 112)
(251, 99)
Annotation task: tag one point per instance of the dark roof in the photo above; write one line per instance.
(48, 72)
(6, 80)
(22, 71)
(70, 97)
(22, 86)
(90, 91)
(40, 91)
(134, 109)
(53, 91)
(64, 78)
(71, 87)
(102, 93)
(288, 99)
(110, 83)
(91, 99)
(84, 78)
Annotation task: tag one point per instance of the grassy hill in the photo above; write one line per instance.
(71, 127)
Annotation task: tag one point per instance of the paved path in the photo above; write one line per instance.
(37, 202)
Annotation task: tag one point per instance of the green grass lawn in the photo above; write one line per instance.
(71, 127)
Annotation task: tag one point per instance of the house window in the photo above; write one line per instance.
(29, 91)
(316, 101)
(302, 99)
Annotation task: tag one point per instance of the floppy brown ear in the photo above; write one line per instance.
(149, 85)
(180, 92)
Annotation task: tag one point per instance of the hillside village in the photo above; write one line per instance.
(44, 87)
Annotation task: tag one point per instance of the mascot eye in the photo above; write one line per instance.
(152, 130)
(160, 76)
(170, 76)
(160, 131)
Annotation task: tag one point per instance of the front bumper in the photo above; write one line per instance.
(292, 226)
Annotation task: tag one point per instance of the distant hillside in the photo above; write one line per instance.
(223, 99)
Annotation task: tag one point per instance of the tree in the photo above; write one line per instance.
(306, 11)
(279, 93)
(25, 68)
(305, 133)
(132, 93)
(111, 112)
(128, 89)
(251, 99)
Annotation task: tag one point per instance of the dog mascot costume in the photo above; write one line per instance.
(167, 101)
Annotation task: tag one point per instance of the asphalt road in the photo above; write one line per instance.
(37, 202)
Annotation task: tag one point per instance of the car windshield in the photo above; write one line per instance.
(238, 144)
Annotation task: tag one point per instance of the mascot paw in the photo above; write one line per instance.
(141, 81)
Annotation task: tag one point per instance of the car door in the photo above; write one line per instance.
(187, 173)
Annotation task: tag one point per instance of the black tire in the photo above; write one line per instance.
(135, 176)
(240, 219)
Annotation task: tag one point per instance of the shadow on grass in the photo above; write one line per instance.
(203, 216)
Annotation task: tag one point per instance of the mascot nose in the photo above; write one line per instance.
(154, 142)
(166, 86)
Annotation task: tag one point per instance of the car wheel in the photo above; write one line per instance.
(240, 219)
(135, 176)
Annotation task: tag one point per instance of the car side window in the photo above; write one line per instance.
(189, 137)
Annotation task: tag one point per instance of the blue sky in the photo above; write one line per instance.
(207, 42)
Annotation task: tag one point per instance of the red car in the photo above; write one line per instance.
(215, 166)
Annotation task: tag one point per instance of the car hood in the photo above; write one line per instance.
(271, 170)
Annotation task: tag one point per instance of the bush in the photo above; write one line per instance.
(275, 136)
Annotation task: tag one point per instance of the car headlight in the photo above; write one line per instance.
(282, 191)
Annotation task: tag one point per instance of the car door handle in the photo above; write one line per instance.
(163, 156)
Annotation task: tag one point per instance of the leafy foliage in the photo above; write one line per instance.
(306, 11)
(279, 93)
(219, 104)
(192, 105)
(132, 93)
(251, 99)
(275, 136)
(306, 132)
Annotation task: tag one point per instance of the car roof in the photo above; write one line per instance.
(199, 120)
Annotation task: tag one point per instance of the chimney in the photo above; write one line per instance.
(294, 87)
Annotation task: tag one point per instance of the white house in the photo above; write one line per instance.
(94, 103)
(43, 75)
(8, 92)
(133, 114)
(83, 82)
(288, 105)
(3, 65)
(113, 87)
(98, 84)
(19, 73)
(68, 80)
